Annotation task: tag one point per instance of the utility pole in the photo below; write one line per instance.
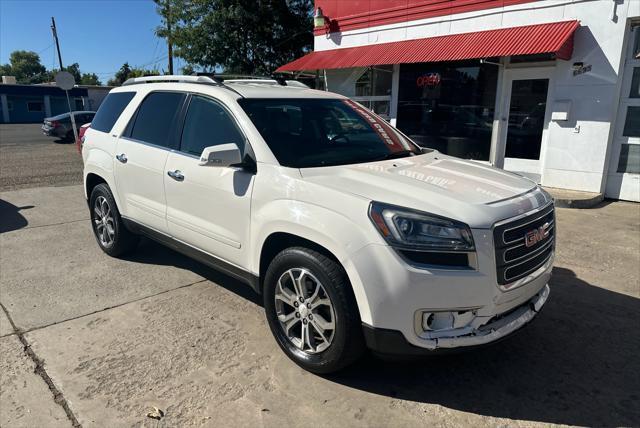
(55, 37)
(169, 44)
(73, 119)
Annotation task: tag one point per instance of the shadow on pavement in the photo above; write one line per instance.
(10, 217)
(151, 252)
(577, 364)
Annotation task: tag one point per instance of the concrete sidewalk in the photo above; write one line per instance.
(114, 338)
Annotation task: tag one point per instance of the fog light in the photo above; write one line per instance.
(432, 321)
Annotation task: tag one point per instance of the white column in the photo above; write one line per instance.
(5, 108)
(85, 103)
(496, 156)
(395, 88)
(47, 106)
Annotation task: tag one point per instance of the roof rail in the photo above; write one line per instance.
(170, 78)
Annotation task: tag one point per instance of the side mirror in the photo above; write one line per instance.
(221, 155)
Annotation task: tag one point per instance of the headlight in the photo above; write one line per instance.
(410, 229)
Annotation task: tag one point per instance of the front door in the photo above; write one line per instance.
(208, 207)
(623, 181)
(524, 120)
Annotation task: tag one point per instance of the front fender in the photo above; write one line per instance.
(339, 234)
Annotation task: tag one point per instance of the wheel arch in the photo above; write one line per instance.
(279, 240)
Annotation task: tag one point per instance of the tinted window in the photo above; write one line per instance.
(208, 124)
(156, 117)
(321, 132)
(110, 110)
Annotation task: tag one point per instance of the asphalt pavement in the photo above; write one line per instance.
(28, 158)
(89, 340)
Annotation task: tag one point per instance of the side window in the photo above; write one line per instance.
(208, 124)
(110, 110)
(155, 118)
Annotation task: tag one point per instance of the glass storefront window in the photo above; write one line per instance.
(375, 81)
(449, 106)
(635, 83)
(629, 161)
(632, 122)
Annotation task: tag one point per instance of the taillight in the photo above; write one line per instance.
(55, 123)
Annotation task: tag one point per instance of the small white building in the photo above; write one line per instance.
(546, 88)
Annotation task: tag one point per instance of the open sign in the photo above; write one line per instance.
(429, 80)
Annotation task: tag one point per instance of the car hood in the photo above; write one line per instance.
(463, 190)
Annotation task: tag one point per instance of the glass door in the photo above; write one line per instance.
(623, 181)
(524, 120)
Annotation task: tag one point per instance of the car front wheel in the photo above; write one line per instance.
(312, 311)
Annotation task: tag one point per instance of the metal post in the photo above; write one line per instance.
(73, 120)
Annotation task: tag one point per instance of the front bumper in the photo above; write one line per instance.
(390, 342)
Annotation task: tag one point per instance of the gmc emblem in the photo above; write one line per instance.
(534, 236)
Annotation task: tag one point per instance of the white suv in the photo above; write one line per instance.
(356, 237)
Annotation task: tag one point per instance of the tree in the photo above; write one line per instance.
(74, 69)
(26, 67)
(90, 79)
(188, 70)
(127, 72)
(241, 36)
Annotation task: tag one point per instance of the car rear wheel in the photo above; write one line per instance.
(110, 232)
(311, 310)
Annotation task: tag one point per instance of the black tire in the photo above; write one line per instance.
(123, 240)
(347, 344)
(69, 136)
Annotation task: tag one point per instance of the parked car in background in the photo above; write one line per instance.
(60, 126)
(80, 139)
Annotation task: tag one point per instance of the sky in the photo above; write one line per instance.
(100, 35)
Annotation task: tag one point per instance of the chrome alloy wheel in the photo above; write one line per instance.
(305, 311)
(103, 221)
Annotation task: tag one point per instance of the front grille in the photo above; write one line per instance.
(514, 259)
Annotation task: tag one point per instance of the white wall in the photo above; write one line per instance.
(574, 160)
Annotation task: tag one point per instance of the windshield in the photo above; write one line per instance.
(305, 133)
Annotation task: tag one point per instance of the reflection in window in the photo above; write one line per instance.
(526, 118)
(375, 81)
(629, 160)
(373, 90)
(632, 122)
(635, 84)
(449, 106)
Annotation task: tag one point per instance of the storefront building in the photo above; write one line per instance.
(549, 89)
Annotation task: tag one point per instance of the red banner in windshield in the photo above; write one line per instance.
(380, 126)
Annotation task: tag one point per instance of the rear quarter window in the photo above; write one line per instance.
(110, 110)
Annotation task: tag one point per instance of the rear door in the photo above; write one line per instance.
(141, 154)
(208, 207)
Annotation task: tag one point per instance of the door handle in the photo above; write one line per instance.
(122, 157)
(176, 175)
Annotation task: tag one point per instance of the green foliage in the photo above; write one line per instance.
(188, 70)
(90, 79)
(126, 72)
(240, 36)
(74, 69)
(26, 67)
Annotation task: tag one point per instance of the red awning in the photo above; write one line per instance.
(556, 38)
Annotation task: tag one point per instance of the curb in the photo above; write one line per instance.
(574, 199)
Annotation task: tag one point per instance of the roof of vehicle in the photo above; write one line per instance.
(258, 90)
(237, 90)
